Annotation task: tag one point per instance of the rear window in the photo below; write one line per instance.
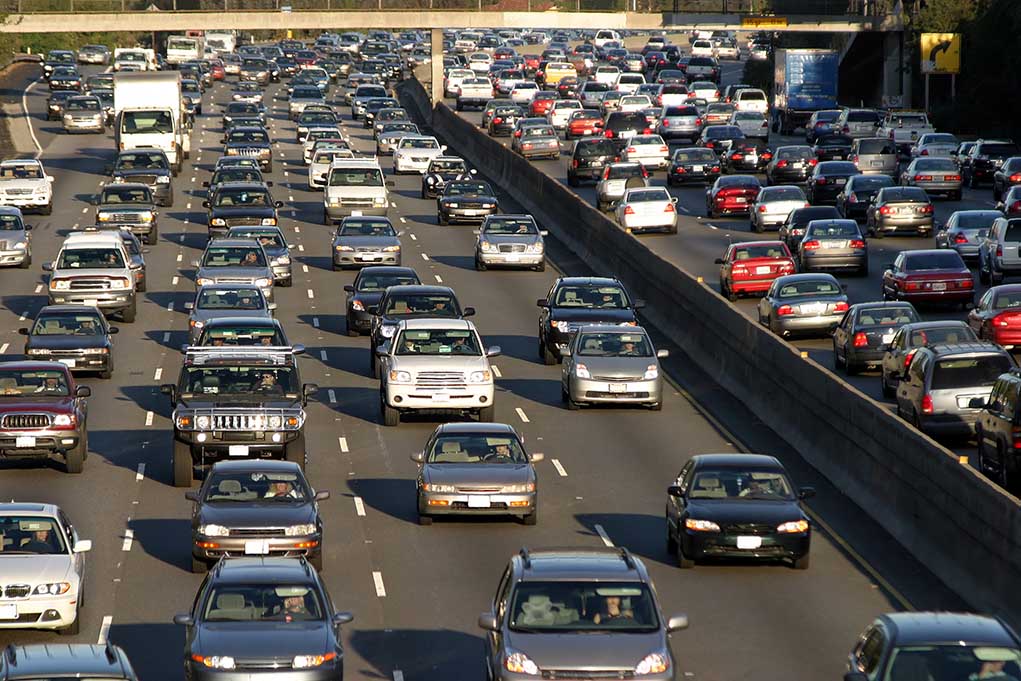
(887, 316)
(745, 95)
(968, 372)
(1013, 232)
(627, 121)
(906, 195)
(998, 149)
(977, 220)
(701, 61)
(936, 164)
(690, 155)
(873, 182)
(810, 287)
(596, 148)
(877, 146)
(681, 111)
(920, 262)
(862, 117)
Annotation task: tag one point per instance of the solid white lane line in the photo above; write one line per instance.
(158, 375)
(38, 288)
(425, 257)
(414, 238)
(140, 475)
(332, 395)
(343, 444)
(24, 112)
(322, 355)
(377, 578)
(129, 537)
(3, 348)
(560, 467)
(602, 535)
(521, 414)
(311, 294)
(496, 371)
(439, 279)
(104, 629)
(398, 675)
(148, 418)
(359, 507)
(174, 280)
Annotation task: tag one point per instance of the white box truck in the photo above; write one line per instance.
(182, 48)
(149, 112)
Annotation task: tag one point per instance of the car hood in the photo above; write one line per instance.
(23, 184)
(417, 363)
(203, 315)
(588, 315)
(68, 342)
(418, 153)
(367, 241)
(616, 367)
(240, 400)
(511, 238)
(234, 272)
(262, 639)
(589, 651)
(745, 510)
(124, 207)
(257, 514)
(36, 403)
(33, 569)
(474, 473)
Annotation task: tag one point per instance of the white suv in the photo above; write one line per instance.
(25, 184)
(436, 365)
(42, 563)
(93, 268)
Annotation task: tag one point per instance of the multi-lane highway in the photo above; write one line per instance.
(416, 592)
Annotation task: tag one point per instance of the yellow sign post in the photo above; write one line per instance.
(941, 54)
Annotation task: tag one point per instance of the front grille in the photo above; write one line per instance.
(417, 159)
(357, 202)
(17, 591)
(479, 490)
(596, 394)
(471, 205)
(512, 248)
(249, 151)
(256, 531)
(241, 422)
(243, 221)
(90, 284)
(368, 249)
(18, 192)
(144, 179)
(234, 280)
(262, 663)
(748, 528)
(440, 379)
(26, 421)
(125, 218)
(587, 674)
(618, 379)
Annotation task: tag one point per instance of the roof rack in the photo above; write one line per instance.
(525, 558)
(111, 652)
(627, 558)
(275, 354)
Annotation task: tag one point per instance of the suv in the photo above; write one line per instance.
(354, 184)
(998, 430)
(258, 614)
(550, 602)
(984, 159)
(573, 302)
(999, 253)
(25, 184)
(945, 387)
(237, 402)
(130, 206)
(73, 661)
(857, 123)
(94, 268)
(588, 159)
(874, 156)
(436, 364)
(145, 166)
(43, 564)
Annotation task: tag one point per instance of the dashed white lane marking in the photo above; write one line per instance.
(140, 474)
(560, 467)
(193, 180)
(322, 355)
(521, 414)
(398, 675)
(301, 247)
(104, 629)
(158, 375)
(129, 538)
(425, 257)
(148, 418)
(174, 280)
(315, 322)
(85, 210)
(713, 227)
(297, 230)
(377, 578)
(332, 395)
(22, 318)
(180, 257)
(359, 507)
(496, 371)
(311, 294)
(343, 444)
(404, 221)
(188, 207)
(38, 288)
(3, 348)
(439, 279)
(602, 535)
(414, 238)
(166, 336)
(170, 306)
(304, 268)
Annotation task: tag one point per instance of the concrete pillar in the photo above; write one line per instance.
(896, 72)
(437, 65)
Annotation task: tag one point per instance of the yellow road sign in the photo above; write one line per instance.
(763, 22)
(941, 52)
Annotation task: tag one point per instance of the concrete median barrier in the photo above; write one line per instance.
(964, 528)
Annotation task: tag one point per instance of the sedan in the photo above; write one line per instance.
(821, 123)
(679, 121)
(391, 133)
(935, 176)
(935, 144)
(649, 150)
(476, 469)
(647, 208)
(741, 506)
(833, 147)
(501, 123)
(720, 138)
(965, 230)
(466, 201)
(791, 165)
(75, 335)
(364, 240)
(276, 247)
(255, 508)
(749, 267)
(909, 338)
(833, 244)
(214, 301)
(1006, 176)
(929, 276)
(900, 209)
(862, 336)
(997, 317)
(617, 178)
(369, 286)
(538, 141)
(610, 364)
(441, 170)
(1010, 205)
(773, 205)
(510, 241)
(828, 180)
(746, 156)
(414, 152)
(803, 304)
(853, 200)
(752, 123)
(794, 226)
(731, 195)
(693, 164)
(583, 123)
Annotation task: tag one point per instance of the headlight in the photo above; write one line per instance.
(488, 247)
(274, 422)
(400, 376)
(793, 527)
(391, 249)
(306, 661)
(203, 281)
(38, 351)
(52, 589)
(562, 326)
(430, 180)
(520, 663)
(521, 488)
(342, 247)
(60, 284)
(534, 248)
(453, 205)
(283, 260)
(218, 222)
(202, 422)
(334, 200)
(147, 217)
(654, 663)
(379, 200)
(300, 530)
(215, 661)
(387, 331)
(120, 283)
(103, 217)
(269, 222)
(440, 489)
(701, 525)
(480, 377)
(581, 371)
(196, 324)
(651, 372)
(357, 305)
(95, 351)
(263, 282)
(63, 420)
(488, 205)
(118, 180)
(213, 530)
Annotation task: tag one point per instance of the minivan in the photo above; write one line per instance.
(999, 254)
(874, 156)
(354, 186)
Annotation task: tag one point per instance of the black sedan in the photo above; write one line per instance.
(368, 288)
(466, 201)
(441, 170)
(791, 164)
(853, 200)
(833, 147)
(828, 180)
(574, 302)
(794, 226)
(693, 165)
(747, 156)
(255, 508)
(861, 338)
(75, 335)
(740, 506)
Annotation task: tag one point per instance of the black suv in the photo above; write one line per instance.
(998, 430)
(573, 302)
(588, 160)
(234, 204)
(145, 166)
(68, 661)
(984, 158)
(237, 402)
(257, 614)
(620, 126)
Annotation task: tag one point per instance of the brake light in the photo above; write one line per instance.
(927, 404)
(960, 239)
(999, 251)
(1003, 318)
(854, 159)
(820, 180)
(631, 150)
(762, 209)
(784, 310)
(710, 145)
(813, 161)
(517, 133)
(766, 156)
(737, 156)
(908, 357)
(716, 169)
(739, 270)
(965, 283)
(1015, 207)
(665, 149)
(716, 94)
(608, 133)
(812, 245)
(923, 178)
(925, 152)
(861, 340)
(574, 163)
(885, 210)
(852, 198)
(666, 122)
(698, 121)
(628, 210)
(497, 120)
(929, 209)
(842, 306)
(764, 124)
(782, 164)
(1016, 177)
(847, 129)
(647, 131)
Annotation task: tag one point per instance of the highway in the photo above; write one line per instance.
(416, 592)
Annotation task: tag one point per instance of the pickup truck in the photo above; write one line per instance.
(904, 128)
(474, 92)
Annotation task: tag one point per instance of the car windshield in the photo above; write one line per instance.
(418, 143)
(582, 607)
(233, 256)
(146, 121)
(977, 220)
(438, 342)
(68, 324)
(602, 297)
(966, 372)
(646, 196)
(735, 483)
(33, 382)
(356, 177)
(38, 535)
(316, 117)
(366, 228)
(810, 287)
(241, 381)
(310, 92)
(262, 602)
(249, 486)
(230, 299)
(957, 661)
(434, 305)
(462, 448)
(133, 195)
(886, 316)
(242, 335)
(229, 197)
(89, 104)
(918, 262)
(141, 160)
(467, 189)
(613, 344)
(447, 166)
(248, 137)
(370, 281)
(939, 335)
(9, 223)
(506, 226)
(774, 250)
(90, 258)
(21, 172)
(236, 175)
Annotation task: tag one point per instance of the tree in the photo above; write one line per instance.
(947, 16)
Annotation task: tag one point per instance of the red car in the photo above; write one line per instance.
(584, 123)
(216, 69)
(531, 63)
(305, 57)
(929, 276)
(731, 195)
(751, 267)
(998, 316)
(542, 102)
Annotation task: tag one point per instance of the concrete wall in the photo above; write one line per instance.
(961, 526)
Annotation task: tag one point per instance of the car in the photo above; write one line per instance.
(941, 144)
(66, 78)
(772, 205)
(503, 120)
(1011, 202)
(833, 147)
(100, 267)
(510, 241)
(376, 104)
(1006, 176)
(145, 166)
(589, 158)
(833, 244)
(235, 261)
(243, 331)
(537, 141)
(324, 153)
(961, 153)
(929, 276)
(984, 158)
(720, 138)
(243, 611)
(573, 302)
(72, 660)
(475, 469)
(74, 335)
(129, 206)
(215, 301)
(255, 508)
(997, 316)
(388, 115)
(909, 338)
(820, 123)
(15, 238)
(368, 288)
(857, 123)
(582, 123)
(318, 133)
(610, 364)
(250, 140)
(274, 244)
(522, 93)
(560, 112)
(235, 204)
(414, 153)
(803, 304)
(965, 230)
(621, 126)
(441, 170)
(746, 156)
(718, 113)
(236, 108)
(651, 151)
(874, 156)
(828, 179)
(617, 178)
(647, 208)
(693, 164)
(945, 387)
(391, 133)
(84, 113)
(731, 195)
(538, 622)
(231, 172)
(749, 267)
(858, 193)
(934, 175)
(25, 184)
(56, 100)
(466, 201)
(793, 228)
(900, 209)
(752, 123)
(365, 240)
(680, 121)
(996, 432)
(436, 365)
(862, 336)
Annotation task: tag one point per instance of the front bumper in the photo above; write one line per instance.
(216, 444)
(588, 390)
(406, 164)
(724, 545)
(27, 201)
(77, 360)
(85, 125)
(282, 272)
(522, 259)
(433, 503)
(327, 672)
(359, 319)
(41, 612)
(36, 443)
(465, 214)
(13, 257)
(102, 300)
(407, 397)
(338, 212)
(363, 259)
(211, 549)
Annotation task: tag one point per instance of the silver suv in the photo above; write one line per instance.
(999, 253)
(577, 613)
(93, 268)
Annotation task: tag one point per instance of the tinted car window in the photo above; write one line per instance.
(967, 372)
(876, 147)
(863, 116)
(886, 316)
(932, 261)
(1013, 231)
(596, 148)
(998, 149)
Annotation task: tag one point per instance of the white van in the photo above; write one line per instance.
(355, 186)
(751, 99)
(606, 36)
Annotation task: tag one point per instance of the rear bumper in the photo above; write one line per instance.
(809, 324)
(835, 262)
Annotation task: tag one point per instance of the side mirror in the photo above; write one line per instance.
(28, 228)
(205, 184)
(342, 618)
(541, 302)
(806, 493)
(83, 546)
(309, 389)
(23, 331)
(494, 351)
(487, 621)
(537, 457)
(662, 354)
(271, 306)
(278, 204)
(888, 266)
(184, 620)
(205, 204)
(170, 390)
(418, 457)
(673, 199)
(468, 312)
(114, 330)
(322, 495)
(193, 495)
(83, 391)
(676, 623)
(47, 267)
(675, 491)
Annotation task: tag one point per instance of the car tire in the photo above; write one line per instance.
(26, 262)
(571, 404)
(541, 267)
(983, 272)
(532, 519)
(108, 374)
(850, 368)
(802, 562)
(153, 237)
(183, 472)
(480, 266)
(572, 180)
(487, 414)
(671, 541)
(885, 386)
(423, 193)
(546, 355)
(441, 219)
(295, 451)
(995, 278)
(128, 314)
(683, 561)
(316, 561)
(391, 417)
(424, 519)
(74, 459)
(199, 566)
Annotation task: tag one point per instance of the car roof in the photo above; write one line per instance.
(581, 564)
(240, 184)
(67, 308)
(420, 289)
(86, 238)
(735, 460)
(610, 328)
(232, 243)
(877, 304)
(276, 465)
(966, 348)
(10, 210)
(437, 323)
(46, 660)
(472, 427)
(281, 570)
(243, 321)
(23, 508)
(588, 281)
(910, 628)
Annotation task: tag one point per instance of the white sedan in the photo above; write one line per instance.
(705, 89)
(774, 204)
(649, 150)
(631, 103)
(523, 93)
(647, 209)
(414, 152)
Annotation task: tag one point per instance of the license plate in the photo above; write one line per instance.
(356, 213)
(586, 132)
(512, 256)
(876, 164)
(841, 181)
(888, 338)
(440, 397)
(24, 441)
(256, 547)
(814, 308)
(749, 542)
(763, 269)
(696, 169)
(740, 199)
(90, 303)
(478, 501)
(799, 164)
(939, 286)
(237, 450)
(472, 211)
(368, 258)
(618, 387)
(9, 612)
(752, 158)
(834, 244)
(67, 362)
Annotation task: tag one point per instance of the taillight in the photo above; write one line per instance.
(1016, 206)
(999, 251)
(1003, 318)
(665, 149)
(679, 170)
(885, 210)
(762, 209)
(1016, 177)
(497, 120)
(628, 210)
(847, 129)
(574, 163)
(666, 122)
(925, 152)
(813, 161)
(517, 133)
(716, 169)
(631, 150)
(737, 156)
(710, 145)
(927, 404)
(929, 208)
(852, 198)
(698, 121)
(854, 159)
(608, 133)
(960, 239)
(716, 94)
(820, 180)
(766, 156)
(784, 310)
(647, 131)
(952, 178)
(812, 245)
(861, 340)
(857, 243)
(842, 306)
(781, 164)
(923, 178)
(908, 357)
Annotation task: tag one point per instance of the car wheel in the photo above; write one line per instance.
(479, 265)
(352, 331)
(199, 566)
(26, 262)
(671, 542)
(541, 267)
(888, 391)
(391, 417)
(128, 314)
(801, 562)
(373, 365)
(995, 278)
(683, 561)
(424, 519)
(547, 356)
(532, 519)
(74, 459)
(182, 464)
(295, 451)
(983, 272)
(47, 210)
(572, 181)
(980, 454)
(441, 219)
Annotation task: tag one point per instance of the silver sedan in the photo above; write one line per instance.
(510, 241)
(809, 304)
(612, 364)
(774, 204)
(224, 300)
(365, 240)
(935, 176)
